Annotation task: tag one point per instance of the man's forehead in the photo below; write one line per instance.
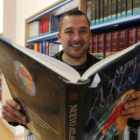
(75, 20)
(70, 17)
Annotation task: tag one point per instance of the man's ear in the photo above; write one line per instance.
(59, 36)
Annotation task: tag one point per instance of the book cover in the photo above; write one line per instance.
(62, 105)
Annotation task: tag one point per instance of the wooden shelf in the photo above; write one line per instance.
(117, 22)
(49, 10)
(51, 36)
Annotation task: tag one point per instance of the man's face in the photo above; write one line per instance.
(75, 35)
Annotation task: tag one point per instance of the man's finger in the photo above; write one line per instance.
(13, 104)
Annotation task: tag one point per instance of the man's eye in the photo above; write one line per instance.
(83, 31)
(69, 32)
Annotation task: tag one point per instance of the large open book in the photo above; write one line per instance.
(62, 105)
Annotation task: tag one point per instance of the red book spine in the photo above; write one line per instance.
(46, 25)
(114, 42)
(101, 43)
(95, 45)
(41, 26)
(107, 44)
(131, 36)
(90, 48)
(138, 34)
(122, 39)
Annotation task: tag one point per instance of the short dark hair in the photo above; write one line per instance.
(74, 12)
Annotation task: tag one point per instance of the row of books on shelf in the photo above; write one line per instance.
(105, 44)
(101, 11)
(46, 47)
(44, 27)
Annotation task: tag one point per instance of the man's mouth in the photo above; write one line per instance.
(76, 46)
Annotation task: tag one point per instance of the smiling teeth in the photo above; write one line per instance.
(76, 46)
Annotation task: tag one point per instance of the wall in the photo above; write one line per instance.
(14, 15)
(1, 16)
(25, 9)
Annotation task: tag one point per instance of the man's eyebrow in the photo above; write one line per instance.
(69, 28)
(83, 27)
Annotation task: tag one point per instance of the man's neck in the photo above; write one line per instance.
(74, 61)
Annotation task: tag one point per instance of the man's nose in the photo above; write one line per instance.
(76, 36)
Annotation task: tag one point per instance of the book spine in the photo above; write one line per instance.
(101, 42)
(74, 111)
(44, 47)
(53, 49)
(107, 44)
(131, 37)
(101, 11)
(95, 45)
(30, 33)
(105, 10)
(88, 7)
(93, 15)
(123, 8)
(90, 48)
(129, 8)
(119, 9)
(97, 12)
(109, 10)
(138, 34)
(47, 48)
(41, 28)
(121, 40)
(136, 7)
(114, 42)
(114, 9)
(46, 26)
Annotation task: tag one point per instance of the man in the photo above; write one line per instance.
(74, 34)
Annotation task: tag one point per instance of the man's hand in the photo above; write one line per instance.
(11, 112)
(132, 109)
